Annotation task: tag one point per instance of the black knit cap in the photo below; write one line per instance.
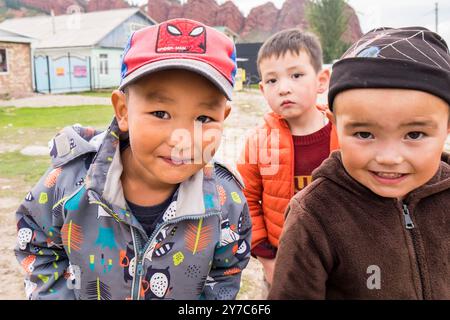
(404, 58)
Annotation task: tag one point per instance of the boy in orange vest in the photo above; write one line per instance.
(294, 140)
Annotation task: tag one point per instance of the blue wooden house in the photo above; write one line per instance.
(80, 51)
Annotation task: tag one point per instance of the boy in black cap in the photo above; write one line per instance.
(375, 223)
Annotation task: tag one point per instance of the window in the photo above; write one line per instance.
(3, 61)
(136, 26)
(103, 58)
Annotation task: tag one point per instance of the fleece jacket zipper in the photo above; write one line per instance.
(409, 225)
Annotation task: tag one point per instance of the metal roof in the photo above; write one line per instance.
(8, 36)
(85, 29)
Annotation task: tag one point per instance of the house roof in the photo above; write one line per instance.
(225, 29)
(85, 29)
(8, 36)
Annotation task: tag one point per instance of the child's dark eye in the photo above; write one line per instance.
(205, 119)
(363, 135)
(415, 135)
(297, 75)
(161, 114)
(271, 81)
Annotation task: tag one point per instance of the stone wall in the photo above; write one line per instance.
(17, 82)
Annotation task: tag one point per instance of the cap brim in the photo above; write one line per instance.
(197, 66)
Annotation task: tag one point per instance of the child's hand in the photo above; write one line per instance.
(268, 266)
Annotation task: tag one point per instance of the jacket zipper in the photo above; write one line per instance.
(142, 252)
(135, 239)
(136, 246)
(408, 220)
(292, 189)
(409, 225)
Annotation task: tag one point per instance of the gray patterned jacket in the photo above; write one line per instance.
(77, 238)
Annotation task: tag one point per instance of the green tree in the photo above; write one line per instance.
(328, 19)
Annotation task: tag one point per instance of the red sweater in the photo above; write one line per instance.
(314, 148)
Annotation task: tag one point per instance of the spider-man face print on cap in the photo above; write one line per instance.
(181, 44)
(184, 36)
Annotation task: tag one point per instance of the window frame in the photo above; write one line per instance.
(7, 61)
(103, 64)
(135, 26)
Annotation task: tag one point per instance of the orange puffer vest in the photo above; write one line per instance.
(270, 185)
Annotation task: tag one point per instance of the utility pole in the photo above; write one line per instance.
(52, 13)
(436, 15)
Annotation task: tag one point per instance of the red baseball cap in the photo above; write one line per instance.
(181, 44)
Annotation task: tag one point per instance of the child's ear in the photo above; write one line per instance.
(332, 117)
(323, 78)
(448, 124)
(119, 101)
(326, 110)
(227, 110)
(261, 87)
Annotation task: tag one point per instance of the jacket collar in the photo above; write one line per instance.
(275, 121)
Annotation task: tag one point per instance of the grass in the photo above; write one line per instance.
(55, 117)
(15, 165)
(36, 126)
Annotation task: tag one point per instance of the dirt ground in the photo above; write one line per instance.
(247, 111)
(54, 100)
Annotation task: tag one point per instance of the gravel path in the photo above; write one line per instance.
(53, 100)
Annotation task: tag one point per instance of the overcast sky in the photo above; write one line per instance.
(389, 13)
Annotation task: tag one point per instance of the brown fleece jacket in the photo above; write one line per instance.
(340, 238)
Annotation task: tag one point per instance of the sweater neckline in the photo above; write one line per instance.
(312, 138)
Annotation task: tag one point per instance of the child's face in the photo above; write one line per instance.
(290, 83)
(175, 121)
(391, 140)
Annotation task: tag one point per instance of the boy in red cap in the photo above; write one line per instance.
(375, 222)
(142, 211)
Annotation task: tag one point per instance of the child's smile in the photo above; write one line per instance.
(389, 178)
